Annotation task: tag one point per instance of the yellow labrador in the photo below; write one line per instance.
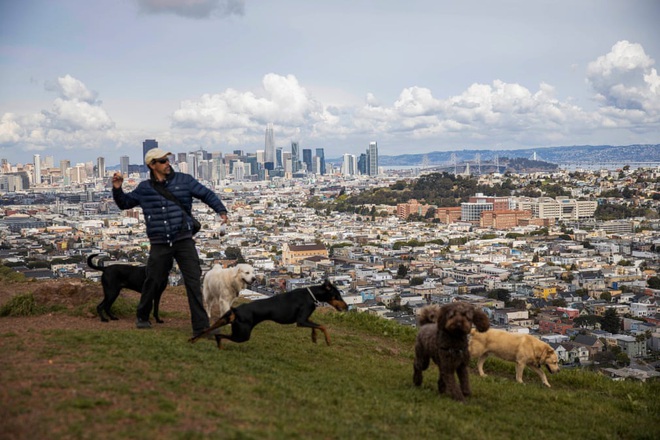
(524, 350)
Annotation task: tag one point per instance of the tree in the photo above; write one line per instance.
(416, 281)
(559, 302)
(610, 321)
(500, 295)
(234, 253)
(402, 271)
(589, 321)
(654, 282)
(622, 359)
(519, 304)
(607, 296)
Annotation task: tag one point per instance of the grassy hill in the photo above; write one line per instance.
(104, 382)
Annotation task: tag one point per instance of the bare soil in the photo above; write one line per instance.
(70, 295)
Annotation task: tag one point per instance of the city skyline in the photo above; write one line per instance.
(419, 77)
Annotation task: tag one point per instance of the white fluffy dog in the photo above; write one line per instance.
(222, 286)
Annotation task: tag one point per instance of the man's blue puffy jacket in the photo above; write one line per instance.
(166, 221)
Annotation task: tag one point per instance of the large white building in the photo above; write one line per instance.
(559, 208)
(349, 165)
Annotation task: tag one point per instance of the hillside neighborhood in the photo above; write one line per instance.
(537, 263)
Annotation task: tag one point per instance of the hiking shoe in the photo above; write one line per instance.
(143, 324)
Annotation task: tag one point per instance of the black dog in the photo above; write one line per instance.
(295, 306)
(116, 277)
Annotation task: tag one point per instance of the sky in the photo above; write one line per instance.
(84, 79)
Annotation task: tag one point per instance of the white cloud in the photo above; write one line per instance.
(498, 113)
(75, 116)
(416, 101)
(10, 130)
(625, 80)
(70, 88)
(500, 110)
(198, 9)
(77, 108)
(282, 101)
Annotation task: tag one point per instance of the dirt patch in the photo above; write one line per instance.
(75, 302)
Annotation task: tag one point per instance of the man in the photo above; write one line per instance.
(170, 233)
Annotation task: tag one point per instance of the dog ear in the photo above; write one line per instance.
(542, 354)
(480, 320)
(441, 316)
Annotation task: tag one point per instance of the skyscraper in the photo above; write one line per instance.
(48, 162)
(295, 157)
(321, 155)
(270, 146)
(64, 165)
(37, 169)
(307, 159)
(372, 159)
(347, 164)
(147, 145)
(362, 164)
(279, 163)
(123, 165)
(193, 162)
(100, 167)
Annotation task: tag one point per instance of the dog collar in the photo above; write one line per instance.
(316, 301)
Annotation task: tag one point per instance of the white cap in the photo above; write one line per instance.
(155, 153)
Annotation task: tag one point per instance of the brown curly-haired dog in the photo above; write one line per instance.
(443, 337)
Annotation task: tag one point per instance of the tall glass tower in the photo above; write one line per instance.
(100, 167)
(372, 159)
(295, 157)
(37, 169)
(307, 159)
(123, 165)
(148, 144)
(270, 145)
(321, 155)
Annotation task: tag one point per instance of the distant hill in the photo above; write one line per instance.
(557, 155)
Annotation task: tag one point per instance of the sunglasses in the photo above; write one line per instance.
(160, 161)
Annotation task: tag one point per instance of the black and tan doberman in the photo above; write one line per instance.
(293, 307)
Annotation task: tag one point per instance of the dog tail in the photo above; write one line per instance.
(429, 314)
(90, 262)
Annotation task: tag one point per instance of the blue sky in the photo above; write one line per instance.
(81, 79)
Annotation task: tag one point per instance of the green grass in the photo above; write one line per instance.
(23, 305)
(154, 384)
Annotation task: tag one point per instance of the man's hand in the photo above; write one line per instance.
(223, 225)
(117, 180)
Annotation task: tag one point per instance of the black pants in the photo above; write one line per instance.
(160, 262)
